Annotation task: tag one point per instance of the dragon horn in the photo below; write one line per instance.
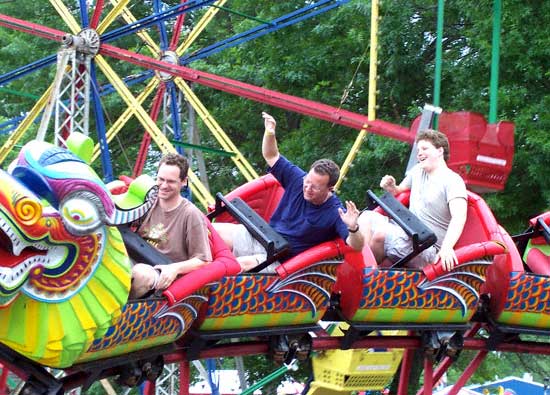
(135, 203)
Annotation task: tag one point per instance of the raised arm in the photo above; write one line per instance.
(270, 151)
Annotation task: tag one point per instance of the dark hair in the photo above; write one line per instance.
(327, 167)
(176, 160)
(438, 139)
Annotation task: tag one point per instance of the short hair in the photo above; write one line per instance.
(176, 160)
(438, 139)
(327, 167)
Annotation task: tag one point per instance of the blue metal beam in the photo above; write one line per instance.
(171, 12)
(101, 128)
(299, 15)
(176, 124)
(157, 7)
(29, 68)
(84, 13)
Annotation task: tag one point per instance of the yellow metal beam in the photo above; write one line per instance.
(66, 15)
(373, 66)
(14, 137)
(199, 26)
(126, 115)
(373, 72)
(242, 164)
(112, 15)
(199, 190)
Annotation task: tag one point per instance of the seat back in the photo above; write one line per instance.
(262, 195)
(537, 258)
(480, 225)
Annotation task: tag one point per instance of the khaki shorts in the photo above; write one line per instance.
(397, 244)
(246, 245)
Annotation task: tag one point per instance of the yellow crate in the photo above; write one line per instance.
(356, 370)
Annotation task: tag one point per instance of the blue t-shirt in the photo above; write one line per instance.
(300, 222)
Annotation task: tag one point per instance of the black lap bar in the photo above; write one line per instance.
(140, 250)
(275, 244)
(422, 236)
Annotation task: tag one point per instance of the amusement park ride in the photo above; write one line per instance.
(65, 266)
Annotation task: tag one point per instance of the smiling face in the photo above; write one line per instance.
(169, 183)
(429, 156)
(315, 187)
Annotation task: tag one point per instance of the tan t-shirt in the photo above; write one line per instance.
(180, 233)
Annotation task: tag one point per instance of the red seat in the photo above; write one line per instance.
(536, 258)
(538, 261)
(262, 195)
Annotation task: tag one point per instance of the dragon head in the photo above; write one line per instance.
(62, 261)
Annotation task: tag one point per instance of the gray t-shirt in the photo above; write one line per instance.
(430, 197)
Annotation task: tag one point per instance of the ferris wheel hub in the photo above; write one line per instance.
(167, 57)
(87, 41)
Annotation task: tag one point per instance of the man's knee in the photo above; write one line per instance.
(143, 279)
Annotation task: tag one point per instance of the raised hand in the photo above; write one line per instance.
(269, 123)
(388, 183)
(349, 217)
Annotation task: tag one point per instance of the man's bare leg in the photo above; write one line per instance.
(375, 240)
(226, 232)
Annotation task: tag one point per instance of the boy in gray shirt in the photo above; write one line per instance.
(438, 198)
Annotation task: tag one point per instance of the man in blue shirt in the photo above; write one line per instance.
(308, 214)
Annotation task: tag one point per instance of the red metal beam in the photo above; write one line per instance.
(428, 376)
(177, 30)
(146, 139)
(97, 14)
(468, 372)
(405, 373)
(262, 95)
(31, 28)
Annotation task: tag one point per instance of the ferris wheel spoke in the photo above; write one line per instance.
(151, 20)
(126, 115)
(146, 139)
(244, 166)
(129, 18)
(66, 15)
(200, 26)
(202, 194)
(118, 8)
(100, 127)
(14, 137)
(177, 30)
(97, 13)
(157, 7)
(266, 27)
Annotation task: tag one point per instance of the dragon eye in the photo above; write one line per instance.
(81, 214)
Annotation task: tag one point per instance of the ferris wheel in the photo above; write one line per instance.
(86, 73)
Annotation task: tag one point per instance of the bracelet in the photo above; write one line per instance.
(354, 230)
(269, 132)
